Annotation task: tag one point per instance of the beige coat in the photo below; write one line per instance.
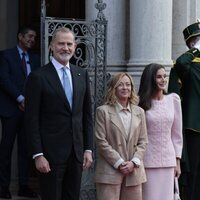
(113, 143)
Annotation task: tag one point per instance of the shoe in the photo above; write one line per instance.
(5, 193)
(27, 192)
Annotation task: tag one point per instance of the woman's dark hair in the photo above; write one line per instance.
(148, 85)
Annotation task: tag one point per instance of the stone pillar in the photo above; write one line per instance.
(150, 35)
(9, 23)
(115, 13)
(90, 11)
(184, 13)
(3, 22)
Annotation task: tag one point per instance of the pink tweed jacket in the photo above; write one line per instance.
(164, 129)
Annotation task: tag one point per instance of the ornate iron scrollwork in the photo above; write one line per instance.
(100, 6)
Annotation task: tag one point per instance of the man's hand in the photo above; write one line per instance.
(87, 159)
(42, 165)
(21, 106)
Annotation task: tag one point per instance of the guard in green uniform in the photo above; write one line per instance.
(186, 71)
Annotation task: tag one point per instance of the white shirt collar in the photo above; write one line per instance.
(121, 108)
(58, 65)
(21, 51)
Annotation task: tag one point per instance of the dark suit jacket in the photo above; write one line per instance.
(12, 79)
(52, 127)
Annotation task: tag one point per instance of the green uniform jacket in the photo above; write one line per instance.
(188, 70)
(185, 80)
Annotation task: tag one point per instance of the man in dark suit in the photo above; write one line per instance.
(58, 120)
(14, 69)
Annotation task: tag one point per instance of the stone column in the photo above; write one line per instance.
(115, 13)
(3, 22)
(9, 23)
(150, 35)
(90, 10)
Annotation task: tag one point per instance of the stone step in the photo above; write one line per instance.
(22, 198)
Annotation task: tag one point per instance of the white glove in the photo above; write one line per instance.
(197, 45)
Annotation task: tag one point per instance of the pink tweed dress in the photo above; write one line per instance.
(164, 128)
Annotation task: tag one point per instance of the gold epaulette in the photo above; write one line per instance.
(196, 59)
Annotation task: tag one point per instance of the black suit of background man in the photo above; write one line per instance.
(60, 136)
(12, 83)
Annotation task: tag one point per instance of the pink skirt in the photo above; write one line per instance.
(159, 185)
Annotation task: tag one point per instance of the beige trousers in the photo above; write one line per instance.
(118, 192)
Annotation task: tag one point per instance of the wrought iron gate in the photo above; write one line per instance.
(91, 54)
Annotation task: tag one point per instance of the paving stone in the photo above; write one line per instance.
(21, 198)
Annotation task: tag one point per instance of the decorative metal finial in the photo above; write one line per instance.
(43, 8)
(100, 6)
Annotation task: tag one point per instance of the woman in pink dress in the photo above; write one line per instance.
(164, 129)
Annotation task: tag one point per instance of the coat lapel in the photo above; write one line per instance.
(32, 61)
(116, 120)
(54, 81)
(74, 85)
(76, 74)
(17, 59)
(134, 122)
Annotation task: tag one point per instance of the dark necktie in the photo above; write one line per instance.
(24, 63)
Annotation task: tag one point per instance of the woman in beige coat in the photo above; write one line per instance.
(121, 139)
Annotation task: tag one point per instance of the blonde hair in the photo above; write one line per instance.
(110, 96)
